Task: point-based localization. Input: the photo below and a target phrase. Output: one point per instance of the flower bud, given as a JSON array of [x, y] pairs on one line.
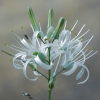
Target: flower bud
[[58, 28], [42, 57], [50, 18], [32, 19]]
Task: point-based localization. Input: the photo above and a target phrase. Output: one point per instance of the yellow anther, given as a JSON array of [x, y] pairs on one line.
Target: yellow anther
[[82, 37], [22, 27], [10, 60], [93, 49], [5, 44], [75, 34]]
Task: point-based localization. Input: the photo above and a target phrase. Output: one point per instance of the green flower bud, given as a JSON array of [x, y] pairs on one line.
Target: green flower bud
[[42, 57], [32, 19], [50, 31], [58, 28], [50, 17]]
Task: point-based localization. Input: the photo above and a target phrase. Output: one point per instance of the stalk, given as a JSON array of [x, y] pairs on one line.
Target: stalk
[[49, 75]]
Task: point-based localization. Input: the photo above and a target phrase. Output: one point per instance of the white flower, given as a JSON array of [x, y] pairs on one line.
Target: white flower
[[30, 52], [73, 53], [57, 43]]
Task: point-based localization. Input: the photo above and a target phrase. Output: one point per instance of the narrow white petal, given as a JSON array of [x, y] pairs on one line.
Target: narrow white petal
[[71, 71], [26, 44], [48, 45], [24, 70], [56, 54], [15, 59], [58, 63], [87, 74], [80, 74]]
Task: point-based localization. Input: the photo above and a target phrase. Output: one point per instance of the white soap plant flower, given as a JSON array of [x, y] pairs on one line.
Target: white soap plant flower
[[57, 44]]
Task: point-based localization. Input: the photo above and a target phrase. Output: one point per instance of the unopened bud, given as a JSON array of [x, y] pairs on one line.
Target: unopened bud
[[58, 28], [32, 19], [50, 18]]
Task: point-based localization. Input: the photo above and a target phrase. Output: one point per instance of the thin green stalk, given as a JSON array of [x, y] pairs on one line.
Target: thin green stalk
[[42, 74], [49, 94], [49, 71], [49, 75], [58, 72]]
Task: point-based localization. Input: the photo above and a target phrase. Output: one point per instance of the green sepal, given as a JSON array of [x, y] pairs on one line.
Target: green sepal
[[58, 28], [50, 18], [32, 19], [42, 57]]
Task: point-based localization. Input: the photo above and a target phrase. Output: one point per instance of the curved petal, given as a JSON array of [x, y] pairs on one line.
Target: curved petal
[[49, 45], [75, 46], [79, 75], [16, 59], [71, 71], [24, 70], [65, 59], [64, 34], [56, 54], [83, 73], [27, 45], [41, 64]]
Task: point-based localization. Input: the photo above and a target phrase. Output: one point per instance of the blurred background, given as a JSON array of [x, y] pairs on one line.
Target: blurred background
[[13, 15]]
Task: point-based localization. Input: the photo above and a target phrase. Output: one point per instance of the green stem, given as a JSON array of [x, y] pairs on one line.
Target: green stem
[[49, 75], [49, 71], [49, 94], [42, 74]]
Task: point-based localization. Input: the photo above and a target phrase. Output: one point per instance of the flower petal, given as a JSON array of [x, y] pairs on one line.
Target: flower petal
[[71, 71], [24, 70], [42, 64], [79, 75], [16, 59], [83, 73]]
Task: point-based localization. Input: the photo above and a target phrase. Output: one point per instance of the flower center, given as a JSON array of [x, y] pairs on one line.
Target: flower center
[[35, 53]]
